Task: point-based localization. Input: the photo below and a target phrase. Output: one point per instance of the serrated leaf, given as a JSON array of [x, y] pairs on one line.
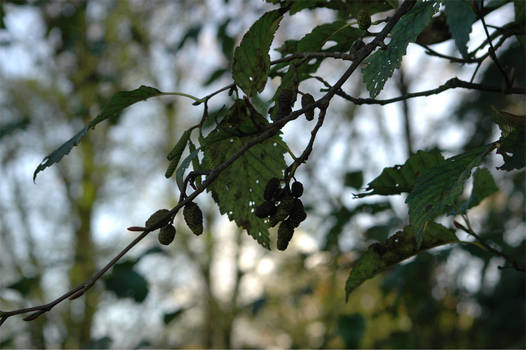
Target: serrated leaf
[[117, 103], [439, 187], [400, 246], [460, 17], [175, 154], [382, 63], [240, 187], [125, 282], [402, 178], [251, 58]]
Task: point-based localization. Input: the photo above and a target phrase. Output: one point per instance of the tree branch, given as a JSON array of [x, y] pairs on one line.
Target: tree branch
[[270, 131], [452, 83]]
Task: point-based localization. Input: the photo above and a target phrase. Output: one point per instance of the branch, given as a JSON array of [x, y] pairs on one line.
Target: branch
[[270, 131], [470, 231], [452, 83], [340, 55]]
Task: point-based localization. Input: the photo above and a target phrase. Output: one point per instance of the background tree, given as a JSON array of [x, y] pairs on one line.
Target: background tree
[[98, 49]]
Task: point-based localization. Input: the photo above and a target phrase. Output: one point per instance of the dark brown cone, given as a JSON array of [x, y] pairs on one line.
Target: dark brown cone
[[271, 189], [265, 209], [285, 232], [296, 189], [307, 100]]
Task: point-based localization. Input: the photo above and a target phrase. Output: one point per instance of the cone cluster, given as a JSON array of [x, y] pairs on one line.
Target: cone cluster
[[282, 205]]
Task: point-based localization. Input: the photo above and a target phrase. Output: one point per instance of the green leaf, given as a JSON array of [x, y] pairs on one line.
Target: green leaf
[[125, 282], [240, 187], [175, 154], [402, 178], [179, 174], [339, 32], [381, 64], [460, 17], [440, 186], [117, 103], [251, 58], [400, 246], [483, 186]]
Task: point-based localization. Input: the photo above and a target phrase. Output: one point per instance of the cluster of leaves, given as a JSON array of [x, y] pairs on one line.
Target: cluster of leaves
[[244, 150]]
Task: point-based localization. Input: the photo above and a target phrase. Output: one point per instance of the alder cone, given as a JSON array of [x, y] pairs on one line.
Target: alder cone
[[285, 232], [271, 189], [156, 219], [193, 218], [296, 189], [265, 209], [166, 234], [285, 100], [307, 100]]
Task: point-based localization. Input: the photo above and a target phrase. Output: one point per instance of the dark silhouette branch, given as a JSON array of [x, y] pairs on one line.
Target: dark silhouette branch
[[452, 83]]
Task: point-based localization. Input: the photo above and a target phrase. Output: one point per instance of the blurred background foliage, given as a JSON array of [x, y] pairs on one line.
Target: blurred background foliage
[[60, 62]]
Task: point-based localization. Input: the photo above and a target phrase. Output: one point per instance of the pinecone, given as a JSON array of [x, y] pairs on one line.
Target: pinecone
[[193, 218], [166, 235]]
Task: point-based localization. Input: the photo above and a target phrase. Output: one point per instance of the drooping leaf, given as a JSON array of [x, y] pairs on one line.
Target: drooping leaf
[[117, 103], [125, 282], [175, 154], [346, 7], [401, 178], [400, 246], [251, 58], [460, 18], [381, 64], [440, 186], [240, 187]]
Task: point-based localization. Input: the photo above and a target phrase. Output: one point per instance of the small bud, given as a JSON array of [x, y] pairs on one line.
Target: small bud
[[193, 218], [166, 234]]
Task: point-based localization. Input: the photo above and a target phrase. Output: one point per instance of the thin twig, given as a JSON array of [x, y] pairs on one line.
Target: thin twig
[[492, 52], [321, 54], [469, 230], [450, 84], [270, 131]]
